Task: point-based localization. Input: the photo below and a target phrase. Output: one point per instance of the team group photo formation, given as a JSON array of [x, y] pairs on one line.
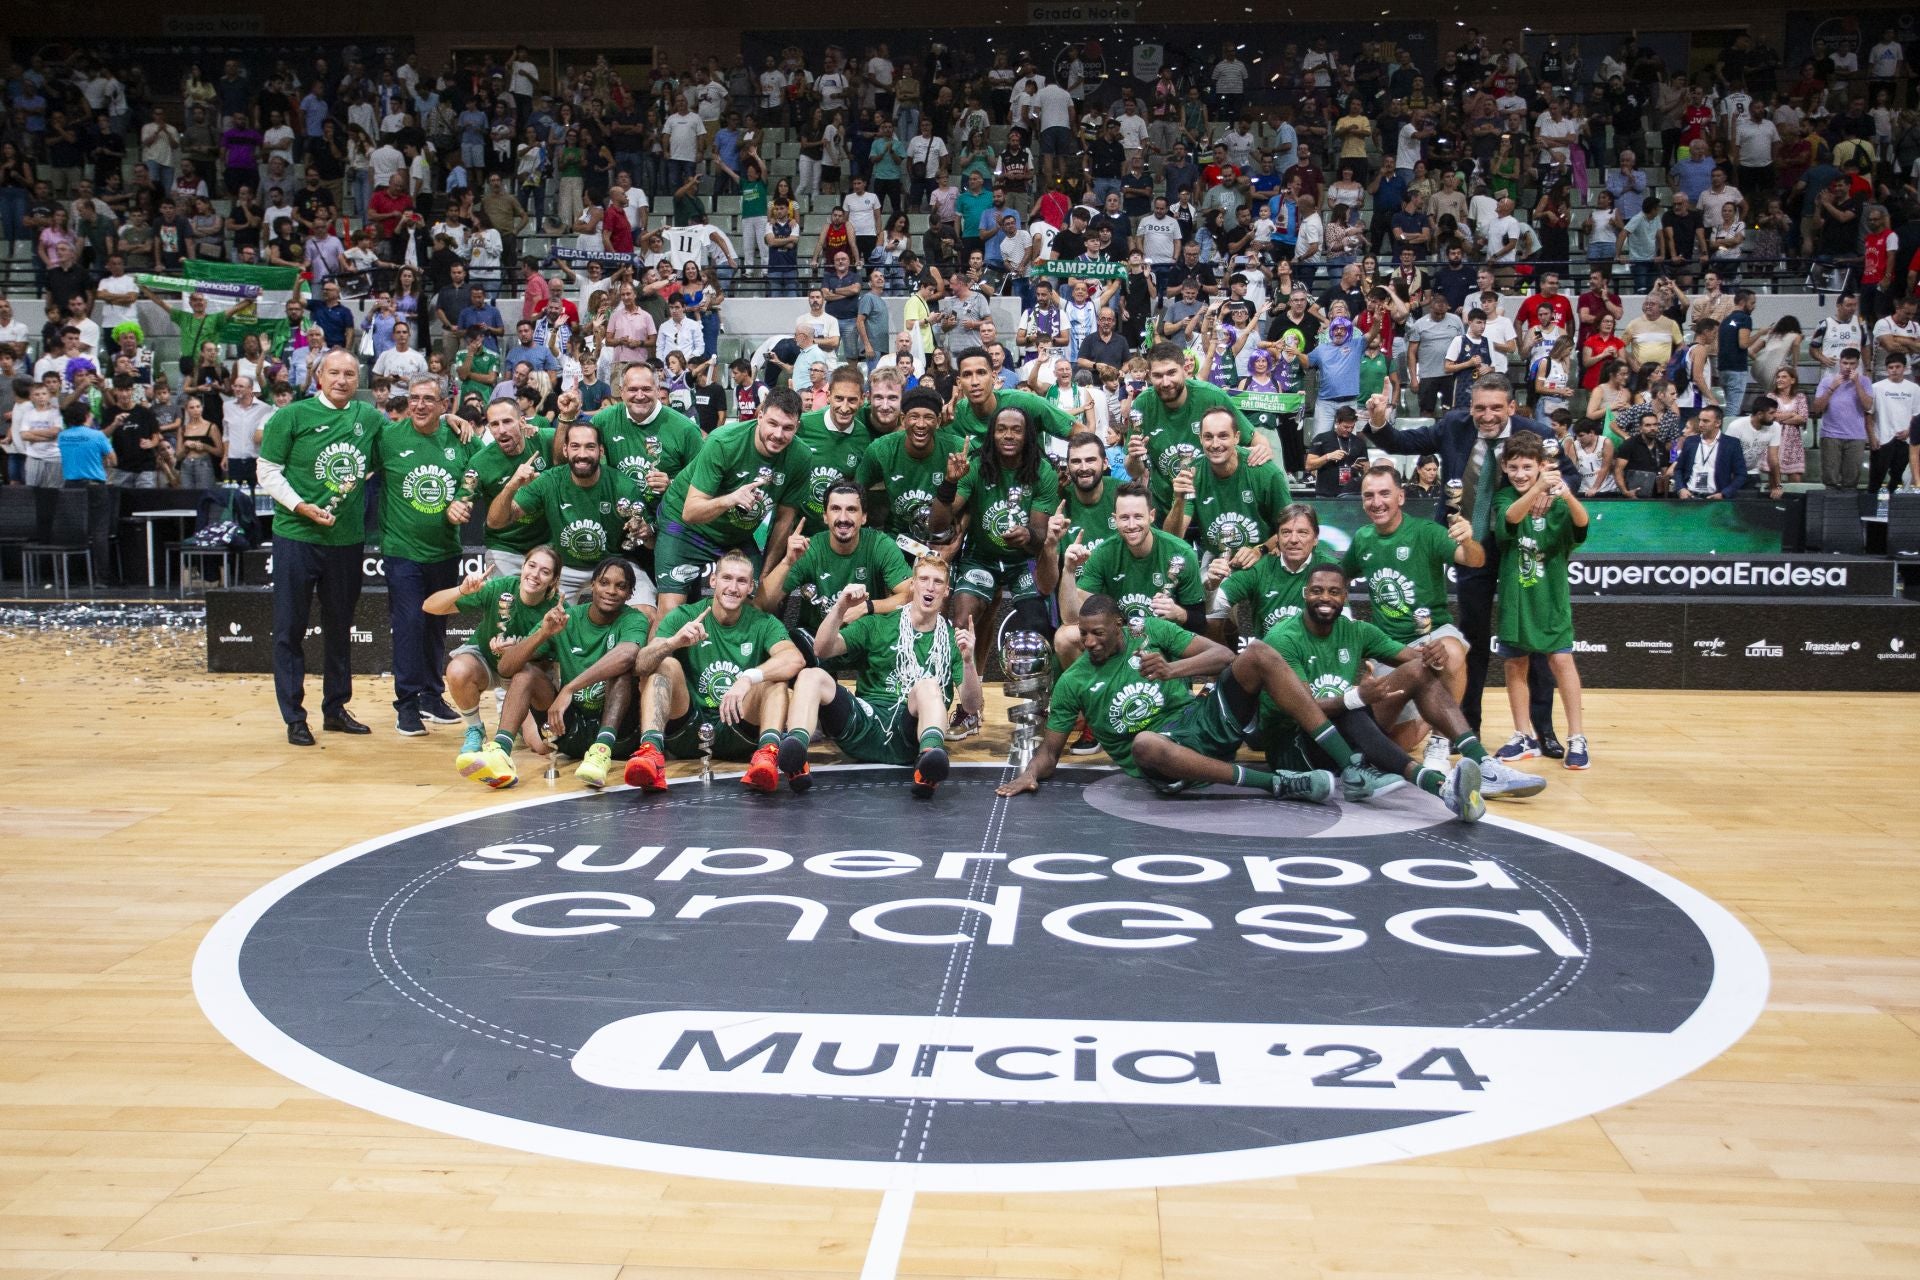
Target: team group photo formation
[[1265, 615]]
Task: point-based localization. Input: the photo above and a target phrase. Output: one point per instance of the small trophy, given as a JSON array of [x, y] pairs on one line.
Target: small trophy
[[1423, 621], [913, 548], [1551, 446], [1456, 492], [469, 485], [1174, 566], [1137, 625], [706, 752], [634, 527], [338, 496]]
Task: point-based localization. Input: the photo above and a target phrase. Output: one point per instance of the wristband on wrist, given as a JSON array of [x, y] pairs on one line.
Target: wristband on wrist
[[754, 675], [946, 491], [1352, 700]]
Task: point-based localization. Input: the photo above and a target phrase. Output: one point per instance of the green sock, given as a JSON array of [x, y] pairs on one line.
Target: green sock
[[802, 736], [656, 739], [1429, 780], [504, 741], [769, 738], [472, 716], [605, 737], [1258, 779], [931, 738], [1336, 746], [1469, 746]]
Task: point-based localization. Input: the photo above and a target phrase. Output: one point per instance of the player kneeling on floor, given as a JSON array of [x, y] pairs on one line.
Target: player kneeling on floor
[[587, 691], [1130, 683], [907, 661], [509, 608], [1329, 652], [715, 679]]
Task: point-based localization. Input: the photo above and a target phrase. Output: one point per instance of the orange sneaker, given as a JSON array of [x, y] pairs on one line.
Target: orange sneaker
[[647, 769], [763, 770]]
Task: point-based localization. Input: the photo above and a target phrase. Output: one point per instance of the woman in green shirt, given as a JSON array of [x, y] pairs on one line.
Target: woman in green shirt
[[507, 611]]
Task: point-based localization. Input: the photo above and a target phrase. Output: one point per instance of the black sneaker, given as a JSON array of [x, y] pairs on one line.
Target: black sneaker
[[1551, 748], [406, 723], [1084, 744], [436, 711]]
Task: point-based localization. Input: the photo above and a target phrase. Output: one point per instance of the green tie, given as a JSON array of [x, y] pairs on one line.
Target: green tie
[[1483, 492]]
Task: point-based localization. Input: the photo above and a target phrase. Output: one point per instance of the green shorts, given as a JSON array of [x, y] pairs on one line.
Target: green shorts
[[870, 732], [1214, 726], [1286, 746], [729, 743], [985, 579], [583, 726]]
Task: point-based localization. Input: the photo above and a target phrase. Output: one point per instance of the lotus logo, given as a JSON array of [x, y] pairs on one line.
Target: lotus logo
[[1762, 649]]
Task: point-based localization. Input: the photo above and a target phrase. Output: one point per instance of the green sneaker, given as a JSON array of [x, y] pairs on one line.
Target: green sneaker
[[1362, 783], [1314, 786], [593, 768]]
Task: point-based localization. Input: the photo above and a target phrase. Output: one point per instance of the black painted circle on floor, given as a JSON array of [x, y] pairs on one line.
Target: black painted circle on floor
[[1089, 987]]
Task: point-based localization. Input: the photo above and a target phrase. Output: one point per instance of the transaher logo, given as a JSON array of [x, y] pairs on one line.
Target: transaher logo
[[1089, 987]]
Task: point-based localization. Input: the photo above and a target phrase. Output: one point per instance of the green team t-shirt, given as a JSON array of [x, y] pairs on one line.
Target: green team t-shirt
[[1536, 615], [753, 198], [907, 482], [1240, 510], [584, 522], [1117, 701], [667, 441], [420, 477], [1173, 435], [1001, 506], [836, 457], [875, 563], [1328, 666], [495, 467], [873, 640], [583, 642], [1405, 570], [522, 619], [1092, 522], [325, 453], [1172, 566], [969, 424], [1276, 592], [728, 460], [717, 661], [484, 361]]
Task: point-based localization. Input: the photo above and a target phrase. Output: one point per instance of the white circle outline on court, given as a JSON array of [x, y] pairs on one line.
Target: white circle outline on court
[[1730, 1006]]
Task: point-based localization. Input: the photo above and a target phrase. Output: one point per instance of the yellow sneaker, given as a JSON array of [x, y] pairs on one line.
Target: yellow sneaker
[[593, 769], [490, 765]]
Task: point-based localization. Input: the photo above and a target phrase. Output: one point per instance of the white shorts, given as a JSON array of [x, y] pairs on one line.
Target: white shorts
[[473, 650], [1410, 712]]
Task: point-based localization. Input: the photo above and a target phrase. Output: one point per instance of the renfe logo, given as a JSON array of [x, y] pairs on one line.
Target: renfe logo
[[1162, 991]]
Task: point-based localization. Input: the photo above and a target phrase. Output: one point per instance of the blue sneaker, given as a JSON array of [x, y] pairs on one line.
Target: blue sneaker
[[1519, 747], [1577, 753], [475, 742]]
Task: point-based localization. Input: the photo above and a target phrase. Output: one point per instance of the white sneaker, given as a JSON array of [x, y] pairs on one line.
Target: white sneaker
[[1439, 754], [1503, 782]]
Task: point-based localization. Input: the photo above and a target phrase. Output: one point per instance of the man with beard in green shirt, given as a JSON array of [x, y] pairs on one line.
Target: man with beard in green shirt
[[819, 568], [585, 504], [1087, 498], [981, 400], [1226, 504], [644, 439], [1165, 433], [745, 473], [516, 443], [907, 664], [509, 608], [837, 437], [901, 470], [422, 462], [1148, 571], [1130, 685]]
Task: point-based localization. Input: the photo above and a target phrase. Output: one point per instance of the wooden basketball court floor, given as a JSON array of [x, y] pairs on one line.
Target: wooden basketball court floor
[[142, 798]]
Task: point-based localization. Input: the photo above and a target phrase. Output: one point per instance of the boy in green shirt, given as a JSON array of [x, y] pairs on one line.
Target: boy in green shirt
[[725, 688], [1539, 524], [589, 702], [907, 663], [508, 609]]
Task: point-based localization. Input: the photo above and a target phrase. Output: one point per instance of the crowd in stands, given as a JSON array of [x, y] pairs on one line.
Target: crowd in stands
[[1349, 226]]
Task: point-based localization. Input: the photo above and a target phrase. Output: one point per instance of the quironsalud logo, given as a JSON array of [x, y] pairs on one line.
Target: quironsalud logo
[[747, 995]]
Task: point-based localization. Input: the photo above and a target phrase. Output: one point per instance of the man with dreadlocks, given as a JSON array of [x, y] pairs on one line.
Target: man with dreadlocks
[[908, 661]]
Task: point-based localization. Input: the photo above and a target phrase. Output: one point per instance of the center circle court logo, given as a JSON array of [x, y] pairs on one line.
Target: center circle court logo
[[1085, 988]]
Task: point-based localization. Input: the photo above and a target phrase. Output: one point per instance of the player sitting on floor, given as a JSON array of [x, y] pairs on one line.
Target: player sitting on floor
[[907, 663], [509, 609]]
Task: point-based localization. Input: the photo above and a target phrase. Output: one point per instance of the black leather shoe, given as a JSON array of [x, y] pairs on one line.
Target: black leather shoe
[[1551, 747], [343, 722], [299, 735]]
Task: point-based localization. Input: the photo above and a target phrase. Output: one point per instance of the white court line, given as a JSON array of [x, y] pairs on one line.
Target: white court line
[[889, 1236]]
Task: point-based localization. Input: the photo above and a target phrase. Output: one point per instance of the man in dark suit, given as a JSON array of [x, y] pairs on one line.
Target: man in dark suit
[[1710, 467], [1468, 444]]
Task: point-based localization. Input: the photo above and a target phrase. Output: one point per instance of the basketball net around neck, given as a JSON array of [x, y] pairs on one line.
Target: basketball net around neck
[[907, 668]]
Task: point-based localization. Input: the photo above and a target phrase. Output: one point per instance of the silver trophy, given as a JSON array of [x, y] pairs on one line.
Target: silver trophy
[[1026, 661], [338, 496], [706, 752], [1550, 445]]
